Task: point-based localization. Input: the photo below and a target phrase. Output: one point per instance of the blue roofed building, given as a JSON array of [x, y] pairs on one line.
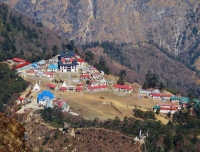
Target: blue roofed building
[[35, 66], [45, 98], [52, 67]]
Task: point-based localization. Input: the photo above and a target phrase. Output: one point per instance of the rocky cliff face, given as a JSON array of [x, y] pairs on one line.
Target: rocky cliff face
[[164, 22]]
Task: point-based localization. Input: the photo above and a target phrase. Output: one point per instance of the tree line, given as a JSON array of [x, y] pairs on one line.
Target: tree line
[[175, 136]]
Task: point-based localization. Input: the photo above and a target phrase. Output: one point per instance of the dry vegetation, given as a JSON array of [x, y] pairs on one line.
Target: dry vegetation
[[43, 137], [11, 135]]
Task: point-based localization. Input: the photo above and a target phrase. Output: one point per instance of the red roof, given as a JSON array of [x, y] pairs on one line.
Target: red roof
[[85, 76], [21, 65], [51, 85], [97, 87], [80, 85], [49, 73], [162, 108], [60, 103], [18, 60], [96, 74], [167, 104], [160, 95], [78, 88], [122, 87], [20, 98], [80, 60], [63, 88], [155, 94]]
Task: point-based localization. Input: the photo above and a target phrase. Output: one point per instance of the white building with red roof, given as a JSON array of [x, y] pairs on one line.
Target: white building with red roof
[[124, 88], [97, 88], [94, 83], [160, 95], [21, 100], [167, 107], [31, 72], [85, 76], [48, 74], [80, 62], [96, 75]]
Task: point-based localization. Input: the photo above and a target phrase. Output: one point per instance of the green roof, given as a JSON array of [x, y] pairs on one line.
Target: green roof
[[181, 99], [156, 107]]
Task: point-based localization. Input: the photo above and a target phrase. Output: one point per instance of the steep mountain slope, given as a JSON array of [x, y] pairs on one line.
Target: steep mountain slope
[[22, 37], [166, 22], [138, 59]]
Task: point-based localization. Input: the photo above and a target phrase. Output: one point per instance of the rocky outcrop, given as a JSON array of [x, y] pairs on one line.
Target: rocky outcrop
[[164, 22]]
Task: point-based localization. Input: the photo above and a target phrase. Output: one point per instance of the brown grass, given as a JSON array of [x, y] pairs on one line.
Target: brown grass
[[89, 105]]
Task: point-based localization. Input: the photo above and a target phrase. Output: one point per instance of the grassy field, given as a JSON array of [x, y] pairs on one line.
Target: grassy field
[[103, 105]]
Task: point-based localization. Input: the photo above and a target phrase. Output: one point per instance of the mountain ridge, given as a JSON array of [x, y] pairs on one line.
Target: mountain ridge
[[164, 22]]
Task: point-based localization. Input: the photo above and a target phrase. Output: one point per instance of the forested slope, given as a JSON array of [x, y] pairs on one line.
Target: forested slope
[[23, 37], [11, 86], [143, 57]]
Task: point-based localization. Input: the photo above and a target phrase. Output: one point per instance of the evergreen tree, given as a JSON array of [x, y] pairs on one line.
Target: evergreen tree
[[168, 141]]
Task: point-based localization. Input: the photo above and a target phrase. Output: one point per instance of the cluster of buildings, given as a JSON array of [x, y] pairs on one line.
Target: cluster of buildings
[[90, 79], [175, 102], [67, 61]]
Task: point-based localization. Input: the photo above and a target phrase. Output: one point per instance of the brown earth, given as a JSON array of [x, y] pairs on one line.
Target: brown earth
[[44, 137], [11, 135]]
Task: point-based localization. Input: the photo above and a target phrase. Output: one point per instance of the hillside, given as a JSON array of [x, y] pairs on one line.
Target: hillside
[[138, 59], [171, 24], [43, 137], [169, 28], [23, 37]]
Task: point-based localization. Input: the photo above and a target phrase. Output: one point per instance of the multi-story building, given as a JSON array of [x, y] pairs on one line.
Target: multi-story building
[[68, 61]]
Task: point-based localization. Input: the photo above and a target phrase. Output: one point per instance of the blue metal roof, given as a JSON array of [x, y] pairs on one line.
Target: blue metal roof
[[45, 93], [52, 66], [34, 65]]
